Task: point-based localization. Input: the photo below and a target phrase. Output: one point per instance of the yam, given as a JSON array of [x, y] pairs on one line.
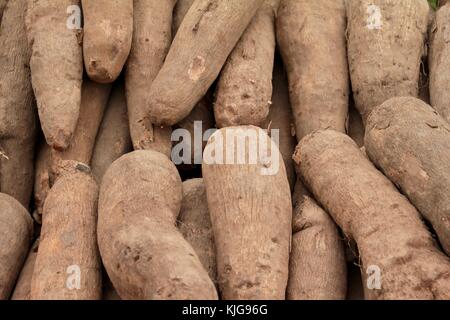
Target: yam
[[42, 176], [113, 138], [142, 191], [317, 267], [251, 214], [179, 12], [439, 60], [151, 41], [108, 30], [245, 84], [399, 258], [56, 67], [3, 4], [195, 224], [386, 41], [22, 290], [68, 264], [411, 144], [206, 37], [16, 228], [308, 32]]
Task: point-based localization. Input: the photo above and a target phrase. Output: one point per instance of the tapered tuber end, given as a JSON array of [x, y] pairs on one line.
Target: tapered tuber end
[[164, 114], [60, 140]]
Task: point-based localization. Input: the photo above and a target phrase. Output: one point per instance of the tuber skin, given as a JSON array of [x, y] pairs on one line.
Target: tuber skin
[[108, 30], [410, 142], [388, 230], [179, 12], [194, 223], [3, 4], [308, 32], [245, 84], [42, 176], [317, 267], [113, 137], [385, 56], [17, 109], [251, 216], [142, 191], [202, 44], [439, 60], [16, 228], [152, 37], [56, 68], [22, 291], [68, 244]]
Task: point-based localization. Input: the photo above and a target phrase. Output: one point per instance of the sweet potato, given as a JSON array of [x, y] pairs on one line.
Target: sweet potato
[[439, 60], [142, 191], [411, 144], [194, 223], [108, 29], [251, 215], [308, 32], [395, 246], [17, 110], [206, 36], [94, 98], [245, 84], [56, 68], [42, 176], [113, 137], [151, 41], [68, 265], [317, 267], [280, 118], [385, 47], [16, 228], [22, 291]]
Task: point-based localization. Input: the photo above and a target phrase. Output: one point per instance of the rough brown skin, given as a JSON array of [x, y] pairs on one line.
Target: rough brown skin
[[194, 223], [206, 36], [317, 266], [179, 12], [16, 228], [2, 8], [385, 63], [113, 137], [17, 110], [251, 215], [108, 29], [142, 191], [42, 176], [410, 142], [307, 32], [439, 60], [152, 37], [280, 117], [369, 209], [94, 99], [68, 238], [355, 126], [245, 84], [22, 291], [56, 68]]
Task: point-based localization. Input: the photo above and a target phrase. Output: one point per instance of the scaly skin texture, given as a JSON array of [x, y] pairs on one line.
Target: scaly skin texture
[[308, 33], [17, 110], [68, 244], [16, 228], [411, 144], [151, 41], [206, 37], [142, 191], [385, 47], [251, 215], [317, 266], [56, 68], [22, 291], [113, 138], [245, 84], [194, 223], [439, 61], [388, 230], [108, 29], [94, 99]]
